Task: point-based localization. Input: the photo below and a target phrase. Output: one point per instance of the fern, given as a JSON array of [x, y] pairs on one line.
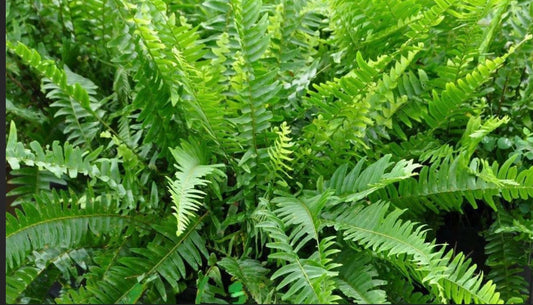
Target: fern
[[251, 273], [61, 161], [386, 233], [357, 279], [359, 183], [189, 175], [48, 69], [29, 231], [22, 278], [309, 278], [207, 292], [444, 185], [280, 154], [30, 180], [443, 104], [248, 151], [504, 258], [81, 125]]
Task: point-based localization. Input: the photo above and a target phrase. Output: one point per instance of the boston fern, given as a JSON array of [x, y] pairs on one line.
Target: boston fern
[[248, 151]]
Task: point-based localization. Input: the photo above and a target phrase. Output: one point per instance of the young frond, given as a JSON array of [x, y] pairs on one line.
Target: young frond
[[280, 154], [190, 174]]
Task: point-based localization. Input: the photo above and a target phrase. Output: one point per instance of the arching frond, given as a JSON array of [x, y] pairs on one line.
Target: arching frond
[[163, 261], [357, 279], [443, 105], [444, 185], [75, 102], [449, 277], [62, 161], [70, 219], [19, 280], [359, 182], [81, 125], [309, 280]]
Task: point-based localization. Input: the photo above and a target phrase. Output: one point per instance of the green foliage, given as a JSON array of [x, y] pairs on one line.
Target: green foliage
[[246, 151], [189, 175]]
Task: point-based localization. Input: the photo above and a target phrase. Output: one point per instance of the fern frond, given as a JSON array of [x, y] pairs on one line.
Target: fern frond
[[310, 280], [443, 105], [422, 147], [366, 107], [138, 49], [505, 256], [207, 292], [163, 258], [180, 69], [81, 125], [256, 86], [357, 279], [29, 181], [382, 231], [251, 273], [48, 222], [48, 69], [31, 115], [444, 185], [191, 168], [359, 183], [303, 213], [279, 155], [346, 90], [62, 161], [368, 24], [456, 280], [21, 278], [475, 131]]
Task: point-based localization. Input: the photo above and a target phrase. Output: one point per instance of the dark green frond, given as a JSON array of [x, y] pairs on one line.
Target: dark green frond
[[251, 273], [163, 261], [357, 279], [442, 186], [57, 220]]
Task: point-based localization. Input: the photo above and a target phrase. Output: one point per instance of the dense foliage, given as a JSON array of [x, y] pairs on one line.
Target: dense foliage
[[231, 151]]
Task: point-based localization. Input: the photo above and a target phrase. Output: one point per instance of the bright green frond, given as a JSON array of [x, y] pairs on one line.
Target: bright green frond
[[190, 174]]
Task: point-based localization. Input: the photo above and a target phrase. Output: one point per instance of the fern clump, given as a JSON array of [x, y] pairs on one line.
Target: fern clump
[[269, 151]]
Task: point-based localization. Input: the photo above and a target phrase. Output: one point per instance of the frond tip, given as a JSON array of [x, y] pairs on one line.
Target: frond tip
[[190, 160]]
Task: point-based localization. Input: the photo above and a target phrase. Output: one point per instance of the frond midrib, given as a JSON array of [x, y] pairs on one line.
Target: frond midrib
[[473, 293], [348, 225], [459, 190], [72, 217], [183, 237]]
